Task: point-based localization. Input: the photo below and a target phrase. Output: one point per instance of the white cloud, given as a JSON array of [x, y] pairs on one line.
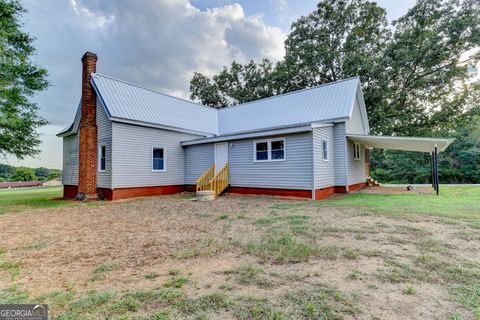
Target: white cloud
[[155, 43], [160, 43], [92, 20]]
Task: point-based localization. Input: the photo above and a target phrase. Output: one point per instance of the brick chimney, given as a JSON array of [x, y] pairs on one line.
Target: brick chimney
[[87, 167]]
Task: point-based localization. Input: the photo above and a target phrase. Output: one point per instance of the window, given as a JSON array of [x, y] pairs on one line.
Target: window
[[158, 159], [325, 150], [269, 150], [261, 151], [356, 151], [102, 157], [278, 149]]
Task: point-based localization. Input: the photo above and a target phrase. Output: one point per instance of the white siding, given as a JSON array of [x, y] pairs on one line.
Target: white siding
[[355, 124], [339, 149], [324, 170], [104, 136], [132, 159], [356, 168], [198, 159], [70, 160], [294, 173]]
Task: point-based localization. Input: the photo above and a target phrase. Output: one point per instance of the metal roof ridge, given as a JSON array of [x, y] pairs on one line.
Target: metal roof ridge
[[288, 93], [152, 90]]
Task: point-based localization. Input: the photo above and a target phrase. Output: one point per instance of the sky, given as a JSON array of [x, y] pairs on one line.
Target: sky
[[158, 44]]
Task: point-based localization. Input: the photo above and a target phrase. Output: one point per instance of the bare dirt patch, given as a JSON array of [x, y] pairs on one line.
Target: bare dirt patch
[[276, 248]]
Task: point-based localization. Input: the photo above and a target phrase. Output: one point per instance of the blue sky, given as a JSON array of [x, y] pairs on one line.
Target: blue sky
[[154, 43]]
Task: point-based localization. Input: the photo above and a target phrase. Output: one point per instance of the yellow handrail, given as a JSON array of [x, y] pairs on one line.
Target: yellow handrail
[[204, 179], [219, 182], [211, 181]]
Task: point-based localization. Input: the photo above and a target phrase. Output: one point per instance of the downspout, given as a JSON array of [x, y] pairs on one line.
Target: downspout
[[346, 156], [313, 165]]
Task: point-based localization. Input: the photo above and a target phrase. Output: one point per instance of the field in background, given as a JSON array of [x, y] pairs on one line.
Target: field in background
[[22, 199], [362, 256]]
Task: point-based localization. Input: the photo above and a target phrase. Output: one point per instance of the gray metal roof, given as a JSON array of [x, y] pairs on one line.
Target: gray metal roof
[[126, 102], [130, 102], [325, 102]]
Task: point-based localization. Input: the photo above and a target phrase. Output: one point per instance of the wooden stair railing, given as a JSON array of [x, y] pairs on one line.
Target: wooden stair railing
[[217, 182], [220, 181], [204, 179]]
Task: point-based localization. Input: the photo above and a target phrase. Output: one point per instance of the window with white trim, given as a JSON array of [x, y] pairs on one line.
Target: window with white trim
[[325, 150], [356, 151], [269, 150], [158, 159], [277, 148], [102, 157]]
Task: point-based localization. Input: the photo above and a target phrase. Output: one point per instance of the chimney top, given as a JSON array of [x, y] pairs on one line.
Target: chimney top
[[89, 55]]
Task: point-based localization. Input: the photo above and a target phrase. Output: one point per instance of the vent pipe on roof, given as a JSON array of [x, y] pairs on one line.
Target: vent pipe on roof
[[87, 162]]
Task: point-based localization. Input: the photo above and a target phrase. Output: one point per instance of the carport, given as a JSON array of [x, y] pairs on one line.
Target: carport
[[433, 146]]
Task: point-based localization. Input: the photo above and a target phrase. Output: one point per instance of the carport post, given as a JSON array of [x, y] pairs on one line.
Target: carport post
[[432, 169], [437, 180]]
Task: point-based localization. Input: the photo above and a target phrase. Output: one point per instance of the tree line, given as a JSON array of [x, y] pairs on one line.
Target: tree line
[[417, 76], [10, 173]]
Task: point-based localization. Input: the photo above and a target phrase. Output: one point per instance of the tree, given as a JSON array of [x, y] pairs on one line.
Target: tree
[[239, 84], [20, 78], [416, 78], [6, 171], [427, 64], [42, 172], [54, 174], [24, 174]]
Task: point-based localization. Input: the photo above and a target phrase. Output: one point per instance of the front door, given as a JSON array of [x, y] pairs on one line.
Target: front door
[[221, 155]]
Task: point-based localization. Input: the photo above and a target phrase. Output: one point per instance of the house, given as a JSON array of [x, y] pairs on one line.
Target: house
[[128, 141]]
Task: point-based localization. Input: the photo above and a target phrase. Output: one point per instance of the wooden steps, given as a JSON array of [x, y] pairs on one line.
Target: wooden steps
[[210, 181]]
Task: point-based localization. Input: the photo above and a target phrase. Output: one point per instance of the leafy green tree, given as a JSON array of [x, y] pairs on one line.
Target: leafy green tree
[[415, 78], [6, 171], [24, 174], [20, 78], [54, 174], [427, 64], [42, 172], [239, 84]]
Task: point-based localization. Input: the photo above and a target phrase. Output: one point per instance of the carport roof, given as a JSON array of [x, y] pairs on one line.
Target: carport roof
[[402, 143]]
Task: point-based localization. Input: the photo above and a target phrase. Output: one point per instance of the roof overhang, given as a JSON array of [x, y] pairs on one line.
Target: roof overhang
[[73, 128], [261, 133], [402, 143]]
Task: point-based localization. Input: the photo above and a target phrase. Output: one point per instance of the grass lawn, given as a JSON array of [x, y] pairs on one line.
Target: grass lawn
[[361, 256], [21, 199], [452, 203]]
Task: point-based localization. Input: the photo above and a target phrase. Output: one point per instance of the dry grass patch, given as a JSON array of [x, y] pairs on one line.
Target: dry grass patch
[[243, 258]]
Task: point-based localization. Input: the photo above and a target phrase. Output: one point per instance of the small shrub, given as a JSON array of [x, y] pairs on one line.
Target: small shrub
[[176, 282], [174, 272], [151, 276], [351, 254], [409, 290], [355, 275]]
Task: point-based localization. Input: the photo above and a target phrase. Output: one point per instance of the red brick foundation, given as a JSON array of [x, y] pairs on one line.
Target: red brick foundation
[[272, 192], [190, 187], [352, 187], [357, 186], [125, 193], [324, 193], [69, 192]]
